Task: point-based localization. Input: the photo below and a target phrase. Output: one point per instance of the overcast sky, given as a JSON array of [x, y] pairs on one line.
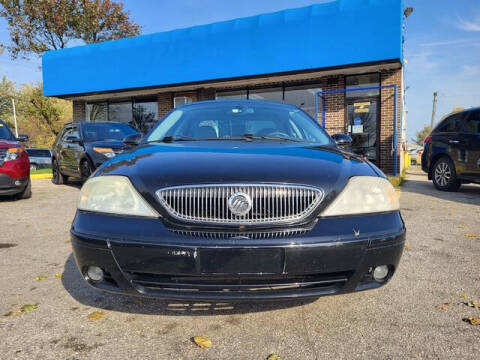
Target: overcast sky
[[442, 45]]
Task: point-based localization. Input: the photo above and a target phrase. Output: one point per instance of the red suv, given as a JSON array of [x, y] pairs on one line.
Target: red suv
[[14, 165]]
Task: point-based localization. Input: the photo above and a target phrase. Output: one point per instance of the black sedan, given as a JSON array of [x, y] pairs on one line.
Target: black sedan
[[83, 146], [237, 200]]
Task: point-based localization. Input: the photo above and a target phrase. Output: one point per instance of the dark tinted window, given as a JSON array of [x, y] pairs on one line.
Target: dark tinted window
[[451, 124], [106, 131], [38, 153], [5, 133], [472, 123], [73, 131]]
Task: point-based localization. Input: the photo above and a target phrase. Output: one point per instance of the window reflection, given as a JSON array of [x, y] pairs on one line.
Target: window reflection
[[140, 114], [273, 94], [303, 97], [145, 115], [96, 111]]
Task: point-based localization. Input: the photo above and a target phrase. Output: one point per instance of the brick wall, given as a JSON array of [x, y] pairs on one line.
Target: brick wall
[[165, 103], [79, 110], [334, 105], [389, 77]]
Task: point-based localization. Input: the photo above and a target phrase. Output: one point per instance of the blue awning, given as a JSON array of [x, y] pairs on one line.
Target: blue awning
[[336, 33]]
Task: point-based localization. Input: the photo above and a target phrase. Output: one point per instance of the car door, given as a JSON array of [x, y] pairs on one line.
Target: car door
[[60, 149], [471, 138], [447, 140], [73, 151]]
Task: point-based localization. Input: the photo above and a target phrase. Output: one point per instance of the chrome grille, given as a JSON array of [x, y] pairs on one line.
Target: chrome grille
[[270, 203]]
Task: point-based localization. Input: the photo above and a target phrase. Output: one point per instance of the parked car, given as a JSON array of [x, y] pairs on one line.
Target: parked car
[[39, 158], [237, 200], [14, 164], [83, 146], [451, 155]]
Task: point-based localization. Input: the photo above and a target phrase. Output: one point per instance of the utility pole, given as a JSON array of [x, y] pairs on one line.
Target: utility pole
[[15, 117], [434, 109]]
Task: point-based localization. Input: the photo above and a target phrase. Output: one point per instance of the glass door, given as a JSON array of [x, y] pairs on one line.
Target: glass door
[[362, 126]]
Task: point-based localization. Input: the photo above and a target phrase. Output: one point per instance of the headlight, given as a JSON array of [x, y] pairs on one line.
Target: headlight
[[113, 195], [107, 152], [13, 154], [363, 195]]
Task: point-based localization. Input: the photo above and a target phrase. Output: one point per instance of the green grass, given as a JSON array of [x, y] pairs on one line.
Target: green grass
[[41, 171]]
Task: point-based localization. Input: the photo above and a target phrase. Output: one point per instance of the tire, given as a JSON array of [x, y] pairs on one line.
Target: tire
[[58, 177], [33, 167], [86, 169], [444, 176], [27, 192]]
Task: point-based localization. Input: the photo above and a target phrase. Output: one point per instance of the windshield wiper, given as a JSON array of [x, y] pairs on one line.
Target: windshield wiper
[[270, 138], [170, 139]]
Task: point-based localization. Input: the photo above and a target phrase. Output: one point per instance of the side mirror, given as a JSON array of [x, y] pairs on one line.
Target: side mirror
[[133, 139], [342, 140], [22, 138], [73, 139]]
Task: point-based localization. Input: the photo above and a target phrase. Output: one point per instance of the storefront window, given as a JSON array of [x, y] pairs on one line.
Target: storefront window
[[237, 94], [96, 111], [360, 81], [273, 94], [120, 112], [145, 115], [303, 97]]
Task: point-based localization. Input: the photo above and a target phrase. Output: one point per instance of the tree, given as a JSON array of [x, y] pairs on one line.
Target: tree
[[7, 92], [38, 116], [422, 134], [36, 26]]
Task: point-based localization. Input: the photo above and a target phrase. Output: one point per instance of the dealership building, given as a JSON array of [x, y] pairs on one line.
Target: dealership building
[[340, 61]]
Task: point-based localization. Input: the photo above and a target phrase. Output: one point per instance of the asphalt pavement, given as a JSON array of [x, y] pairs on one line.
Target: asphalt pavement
[[48, 312]]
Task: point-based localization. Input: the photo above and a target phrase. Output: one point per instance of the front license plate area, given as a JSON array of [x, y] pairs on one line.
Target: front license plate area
[[242, 261]]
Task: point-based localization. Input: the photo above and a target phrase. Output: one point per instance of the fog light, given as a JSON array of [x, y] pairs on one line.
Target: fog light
[[18, 183], [380, 272], [95, 273]]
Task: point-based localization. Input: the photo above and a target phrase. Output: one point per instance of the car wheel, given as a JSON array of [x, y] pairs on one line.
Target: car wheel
[[27, 192], [444, 175], [33, 167], [58, 178], [86, 169]]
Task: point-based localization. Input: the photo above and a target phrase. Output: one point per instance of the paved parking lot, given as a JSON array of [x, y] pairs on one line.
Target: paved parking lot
[[401, 320]]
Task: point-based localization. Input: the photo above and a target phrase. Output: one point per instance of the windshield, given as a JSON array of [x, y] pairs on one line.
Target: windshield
[[5, 133], [243, 120], [105, 131]]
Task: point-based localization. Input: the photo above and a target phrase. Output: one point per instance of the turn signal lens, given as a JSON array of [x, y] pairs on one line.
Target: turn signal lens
[[364, 195], [108, 152]]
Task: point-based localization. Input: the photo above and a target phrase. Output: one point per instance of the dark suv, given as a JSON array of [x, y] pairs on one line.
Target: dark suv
[[83, 146], [451, 155]]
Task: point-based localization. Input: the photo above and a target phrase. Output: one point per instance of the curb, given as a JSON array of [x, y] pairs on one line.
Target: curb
[[40, 176]]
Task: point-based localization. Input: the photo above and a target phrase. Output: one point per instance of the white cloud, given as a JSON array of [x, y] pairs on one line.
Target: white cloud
[[469, 25]]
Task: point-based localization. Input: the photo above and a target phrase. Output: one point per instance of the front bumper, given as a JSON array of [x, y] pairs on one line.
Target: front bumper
[[12, 186], [142, 257]]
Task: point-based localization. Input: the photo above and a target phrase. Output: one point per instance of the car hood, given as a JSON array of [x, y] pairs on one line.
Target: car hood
[[152, 167], [5, 144]]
